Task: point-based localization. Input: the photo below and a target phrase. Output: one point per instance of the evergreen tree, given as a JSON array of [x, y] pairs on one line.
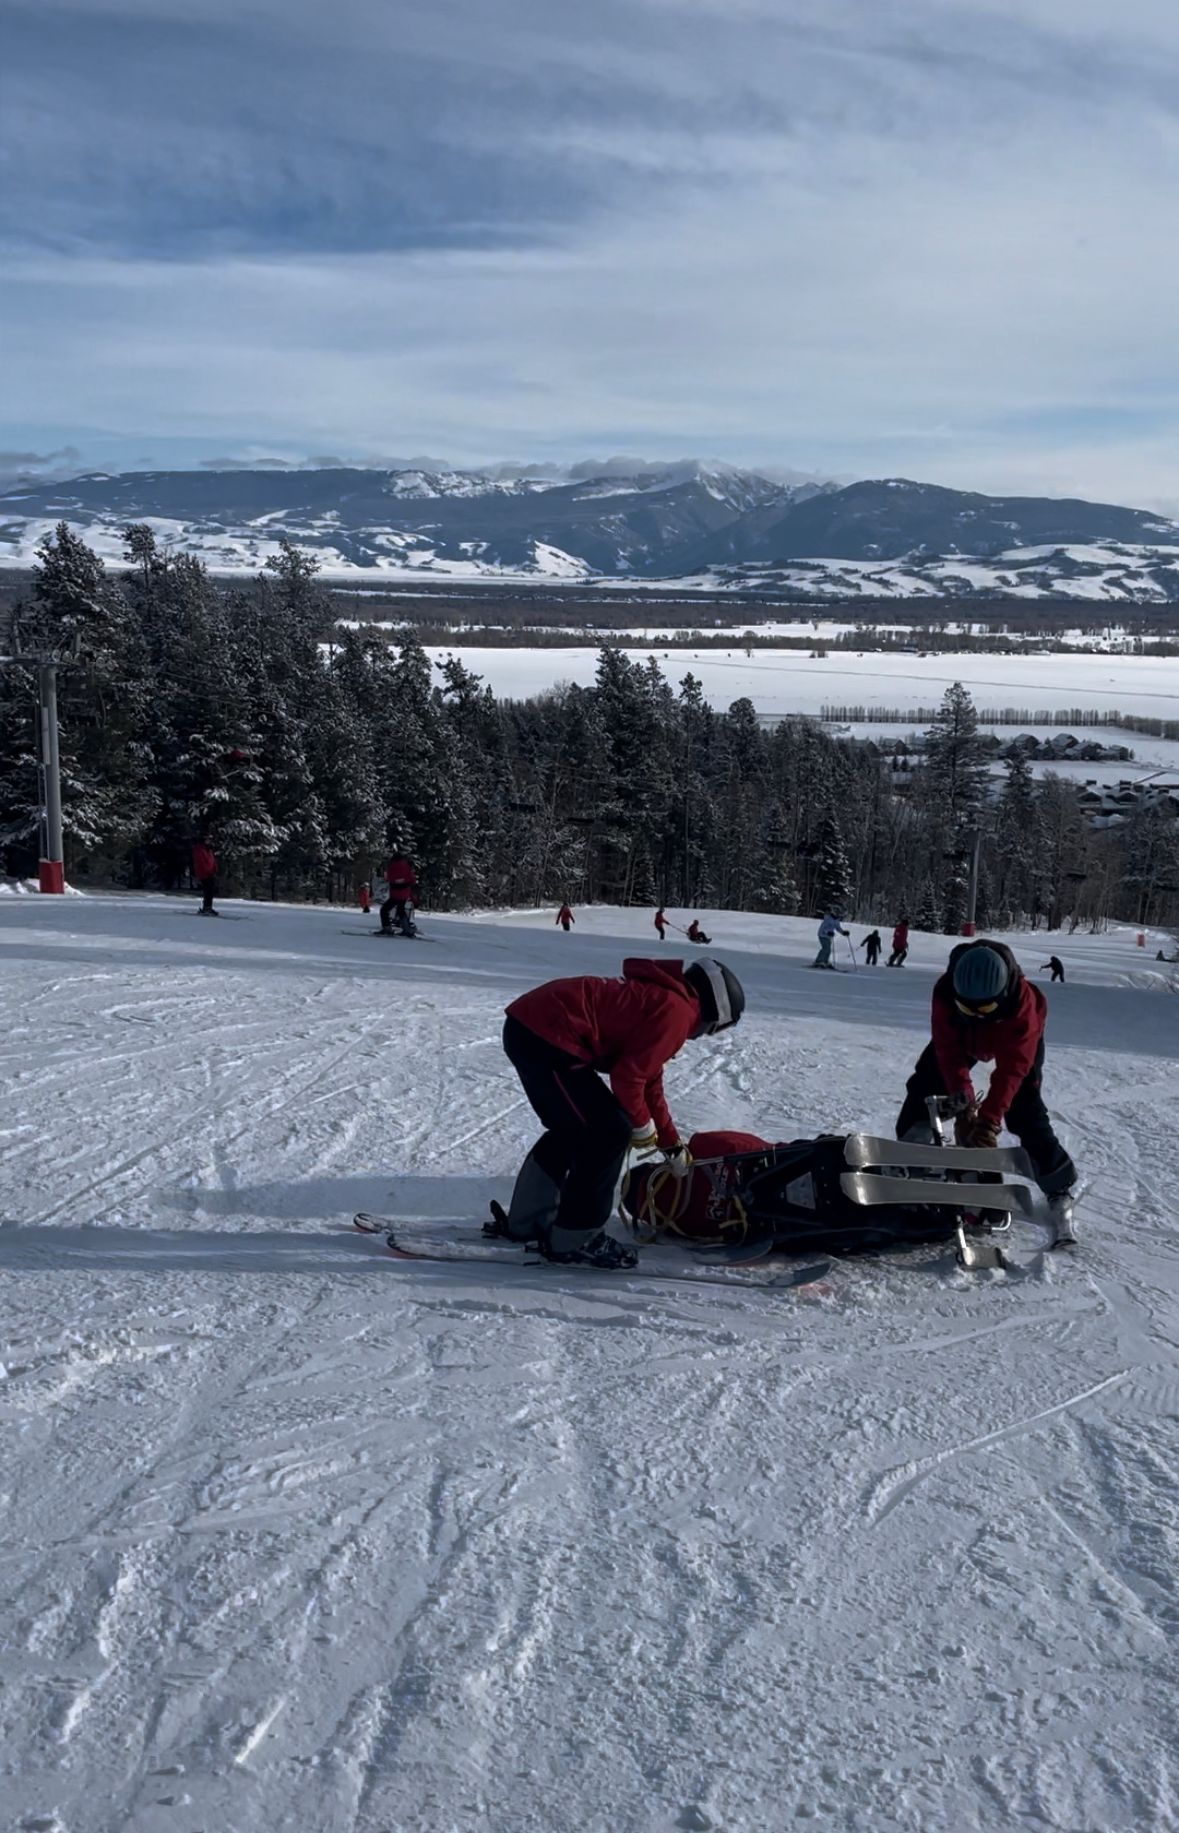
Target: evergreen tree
[[1018, 838], [929, 915], [832, 872]]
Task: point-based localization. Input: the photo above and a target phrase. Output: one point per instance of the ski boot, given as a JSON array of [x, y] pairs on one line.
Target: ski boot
[[1061, 1216], [600, 1251]]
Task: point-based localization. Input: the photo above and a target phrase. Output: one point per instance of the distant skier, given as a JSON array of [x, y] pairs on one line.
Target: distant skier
[[559, 1038], [873, 945], [900, 943], [829, 928], [565, 918], [1057, 966], [402, 883], [696, 934], [661, 923], [204, 870], [984, 1010], [366, 898]]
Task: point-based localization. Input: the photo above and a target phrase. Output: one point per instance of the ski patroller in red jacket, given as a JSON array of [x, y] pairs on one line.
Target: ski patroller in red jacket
[[204, 861], [629, 1029], [402, 879], [1010, 1040]]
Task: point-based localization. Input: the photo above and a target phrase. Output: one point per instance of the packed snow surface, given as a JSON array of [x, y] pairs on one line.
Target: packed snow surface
[[782, 681], [302, 1537]]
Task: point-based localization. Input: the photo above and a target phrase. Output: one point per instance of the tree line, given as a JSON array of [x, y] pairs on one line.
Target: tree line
[[309, 752]]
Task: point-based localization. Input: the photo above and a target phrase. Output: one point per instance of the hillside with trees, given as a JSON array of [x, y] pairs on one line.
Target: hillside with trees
[[310, 751]]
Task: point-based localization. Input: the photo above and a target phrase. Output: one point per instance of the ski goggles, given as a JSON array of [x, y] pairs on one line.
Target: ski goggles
[[983, 1009]]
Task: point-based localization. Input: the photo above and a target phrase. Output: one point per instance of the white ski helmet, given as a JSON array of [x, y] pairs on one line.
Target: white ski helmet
[[721, 995]]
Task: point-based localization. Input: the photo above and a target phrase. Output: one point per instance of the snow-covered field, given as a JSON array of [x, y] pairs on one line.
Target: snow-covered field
[[301, 1537], [789, 681]]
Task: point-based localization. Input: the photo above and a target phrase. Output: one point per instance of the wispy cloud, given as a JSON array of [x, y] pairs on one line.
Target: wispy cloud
[[935, 236]]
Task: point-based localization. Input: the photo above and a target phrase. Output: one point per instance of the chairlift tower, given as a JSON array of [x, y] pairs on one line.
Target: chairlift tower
[[51, 864]]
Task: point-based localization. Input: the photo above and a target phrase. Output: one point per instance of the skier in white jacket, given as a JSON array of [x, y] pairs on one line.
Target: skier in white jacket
[[829, 928]]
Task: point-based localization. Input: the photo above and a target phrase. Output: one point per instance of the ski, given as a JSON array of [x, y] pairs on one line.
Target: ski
[[1017, 1199], [400, 934], [433, 1242], [863, 1152]]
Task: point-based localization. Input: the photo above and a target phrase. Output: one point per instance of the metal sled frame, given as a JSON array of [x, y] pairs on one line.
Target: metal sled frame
[[977, 1250]]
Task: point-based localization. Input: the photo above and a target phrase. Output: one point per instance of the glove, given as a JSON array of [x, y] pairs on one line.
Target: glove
[[971, 1129], [679, 1159], [644, 1141]]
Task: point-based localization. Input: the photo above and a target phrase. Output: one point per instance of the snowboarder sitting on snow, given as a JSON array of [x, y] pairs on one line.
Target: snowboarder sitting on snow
[[984, 1010], [829, 928], [560, 1038], [1057, 966], [402, 882], [873, 944], [900, 943], [565, 918], [695, 933], [204, 870]]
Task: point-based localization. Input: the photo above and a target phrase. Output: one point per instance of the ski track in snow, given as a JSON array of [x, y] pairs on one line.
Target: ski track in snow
[[300, 1538]]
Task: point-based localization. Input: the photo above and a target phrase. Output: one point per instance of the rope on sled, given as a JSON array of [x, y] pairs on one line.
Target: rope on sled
[[665, 1197]]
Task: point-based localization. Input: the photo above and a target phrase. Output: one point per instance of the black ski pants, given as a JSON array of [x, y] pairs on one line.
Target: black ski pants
[[394, 908], [897, 958], [208, 892], [872, 957], [1027, 1118], [566, 1183]]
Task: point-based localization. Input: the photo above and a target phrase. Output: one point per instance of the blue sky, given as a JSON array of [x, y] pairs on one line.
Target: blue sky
[[854, 237]]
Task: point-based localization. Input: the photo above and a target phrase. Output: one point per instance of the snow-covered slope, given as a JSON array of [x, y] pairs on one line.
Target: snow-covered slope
[[682, 526], [302, 1538], [1102, 571]]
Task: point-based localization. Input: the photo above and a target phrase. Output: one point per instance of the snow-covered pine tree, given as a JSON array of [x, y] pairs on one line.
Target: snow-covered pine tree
[[775, 888], [1018, 838], [929, 915], [953, 792], [80, 617], [832, 878]]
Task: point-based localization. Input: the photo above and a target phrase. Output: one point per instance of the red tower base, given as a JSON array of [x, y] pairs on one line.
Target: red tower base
[[968, 929], [52, 875]]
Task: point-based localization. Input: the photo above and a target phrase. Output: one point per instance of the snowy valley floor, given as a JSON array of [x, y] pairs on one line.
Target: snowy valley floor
[[300, 1537]]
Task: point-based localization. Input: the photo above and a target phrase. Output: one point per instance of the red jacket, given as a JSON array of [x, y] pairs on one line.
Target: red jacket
[[1009, 1041], [204, 861], [900, 937], [402, 879], [628, 1028], [565, 915]]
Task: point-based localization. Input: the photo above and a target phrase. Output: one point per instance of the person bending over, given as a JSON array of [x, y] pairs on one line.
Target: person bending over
[[984, 1010], [561, 1038]]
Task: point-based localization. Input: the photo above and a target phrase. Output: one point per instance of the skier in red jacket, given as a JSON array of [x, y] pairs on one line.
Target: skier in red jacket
[[559, 1038], [566, 918], [204, 870], [402, 882], [661, 924], [985, 1011], [900, 944]]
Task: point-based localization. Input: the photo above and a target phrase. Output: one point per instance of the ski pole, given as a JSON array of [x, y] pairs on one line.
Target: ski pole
[[851, 951]]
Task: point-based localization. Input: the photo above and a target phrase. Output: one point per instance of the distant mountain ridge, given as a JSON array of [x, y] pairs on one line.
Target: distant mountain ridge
[[707, 525]]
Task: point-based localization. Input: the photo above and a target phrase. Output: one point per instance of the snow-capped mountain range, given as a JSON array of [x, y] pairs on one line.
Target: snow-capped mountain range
[[702, 526]]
